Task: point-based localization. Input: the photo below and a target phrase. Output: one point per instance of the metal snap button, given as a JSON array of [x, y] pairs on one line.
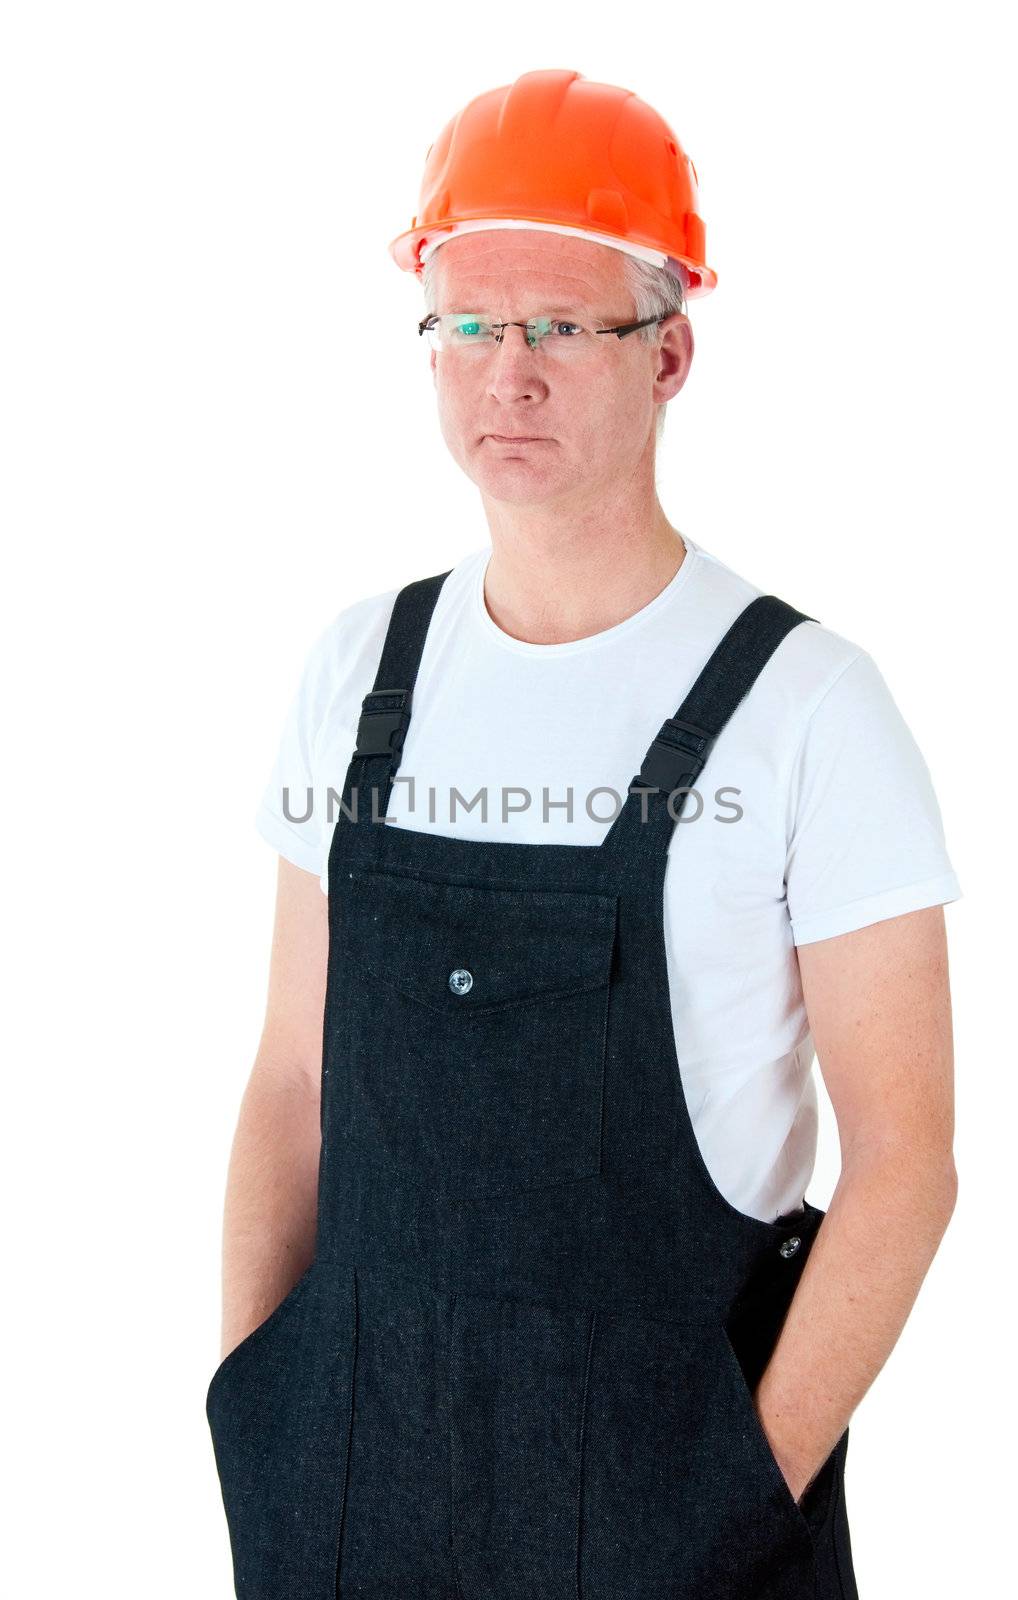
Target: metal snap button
[[460, 980], [790, 1246]]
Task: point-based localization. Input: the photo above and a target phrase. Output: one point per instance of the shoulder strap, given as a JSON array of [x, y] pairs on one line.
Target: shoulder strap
[[385, 709], [681, 747]]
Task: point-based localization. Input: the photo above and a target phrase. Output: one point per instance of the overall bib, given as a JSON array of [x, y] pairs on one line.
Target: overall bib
[[521, 1363]]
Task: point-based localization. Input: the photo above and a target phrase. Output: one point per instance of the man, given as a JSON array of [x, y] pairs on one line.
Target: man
[[522, 1293]]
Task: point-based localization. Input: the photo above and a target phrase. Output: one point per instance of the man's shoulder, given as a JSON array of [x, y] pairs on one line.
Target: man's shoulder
[[373, 611], [350, 644], [810, 658]]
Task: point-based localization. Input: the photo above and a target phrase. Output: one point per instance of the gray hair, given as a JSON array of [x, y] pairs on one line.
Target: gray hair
[[655, 292]]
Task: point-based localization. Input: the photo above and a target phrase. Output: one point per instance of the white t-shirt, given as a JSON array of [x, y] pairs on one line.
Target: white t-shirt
[[826, 818]]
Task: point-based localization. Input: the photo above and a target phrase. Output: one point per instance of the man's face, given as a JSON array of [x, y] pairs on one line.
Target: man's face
[[594, 419]]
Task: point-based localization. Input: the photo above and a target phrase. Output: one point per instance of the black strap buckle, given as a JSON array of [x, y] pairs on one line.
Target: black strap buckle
[[677, 756], [385, 717]]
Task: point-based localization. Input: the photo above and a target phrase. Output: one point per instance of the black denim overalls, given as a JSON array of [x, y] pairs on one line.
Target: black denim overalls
[[520, 1366]]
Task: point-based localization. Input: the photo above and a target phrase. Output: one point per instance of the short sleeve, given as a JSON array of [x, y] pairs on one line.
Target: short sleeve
[[290, 815], [865, 840]]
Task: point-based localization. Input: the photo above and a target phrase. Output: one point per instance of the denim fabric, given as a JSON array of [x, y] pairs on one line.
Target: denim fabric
[[521, 1365]]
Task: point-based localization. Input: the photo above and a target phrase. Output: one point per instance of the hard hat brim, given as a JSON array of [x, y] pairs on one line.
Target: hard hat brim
[[410, 248]]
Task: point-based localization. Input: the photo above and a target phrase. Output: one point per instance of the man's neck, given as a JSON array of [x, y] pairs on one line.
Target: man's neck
[[547, 590]]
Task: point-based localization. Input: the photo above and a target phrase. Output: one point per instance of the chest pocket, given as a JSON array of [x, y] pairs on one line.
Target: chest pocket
[[477, 1030]]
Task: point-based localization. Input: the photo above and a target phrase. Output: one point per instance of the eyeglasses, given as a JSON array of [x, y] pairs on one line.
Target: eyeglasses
[[554, 336]]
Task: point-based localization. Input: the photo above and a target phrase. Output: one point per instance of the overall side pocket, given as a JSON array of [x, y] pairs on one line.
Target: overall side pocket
[[677, 1497], [812, 1509], [279, 1412], [275, 1316]]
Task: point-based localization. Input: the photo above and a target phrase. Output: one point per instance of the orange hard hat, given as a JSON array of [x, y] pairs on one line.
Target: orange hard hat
[[554, 150]]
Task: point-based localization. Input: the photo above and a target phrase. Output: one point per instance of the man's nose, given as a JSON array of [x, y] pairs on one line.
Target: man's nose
[[514, 366]]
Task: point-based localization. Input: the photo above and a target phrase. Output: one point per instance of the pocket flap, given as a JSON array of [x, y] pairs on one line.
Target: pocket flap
[[505, 946]]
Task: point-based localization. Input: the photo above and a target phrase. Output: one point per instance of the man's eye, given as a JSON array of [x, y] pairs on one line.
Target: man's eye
[[575, 328]]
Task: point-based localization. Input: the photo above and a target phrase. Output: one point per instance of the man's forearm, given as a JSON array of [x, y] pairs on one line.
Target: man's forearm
[[271, 1196], [882, 1229]]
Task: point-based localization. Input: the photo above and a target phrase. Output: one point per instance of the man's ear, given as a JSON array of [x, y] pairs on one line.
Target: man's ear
[[675, 354]]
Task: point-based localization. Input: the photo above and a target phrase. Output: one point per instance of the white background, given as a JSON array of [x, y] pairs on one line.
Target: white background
[[218, 429]]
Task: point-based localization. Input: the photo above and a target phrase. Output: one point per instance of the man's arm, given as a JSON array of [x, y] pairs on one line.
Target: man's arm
[[272, 1185], [879, 1007]]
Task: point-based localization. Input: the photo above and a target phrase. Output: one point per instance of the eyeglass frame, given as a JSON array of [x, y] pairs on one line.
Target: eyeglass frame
[[621, 330]]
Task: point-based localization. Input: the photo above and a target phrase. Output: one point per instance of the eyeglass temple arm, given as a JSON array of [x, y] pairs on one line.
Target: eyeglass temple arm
[[630, 327]]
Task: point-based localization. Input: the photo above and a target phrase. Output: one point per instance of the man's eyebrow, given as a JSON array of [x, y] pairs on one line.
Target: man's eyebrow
[[566, 311], [554, 311]]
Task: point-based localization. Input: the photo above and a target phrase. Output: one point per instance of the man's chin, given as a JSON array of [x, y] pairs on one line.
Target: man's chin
[[517, 489], [509, 468]]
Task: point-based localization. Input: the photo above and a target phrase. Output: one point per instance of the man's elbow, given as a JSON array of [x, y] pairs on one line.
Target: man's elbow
[[934, 1182], [926, 1176], [949, 1182]]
